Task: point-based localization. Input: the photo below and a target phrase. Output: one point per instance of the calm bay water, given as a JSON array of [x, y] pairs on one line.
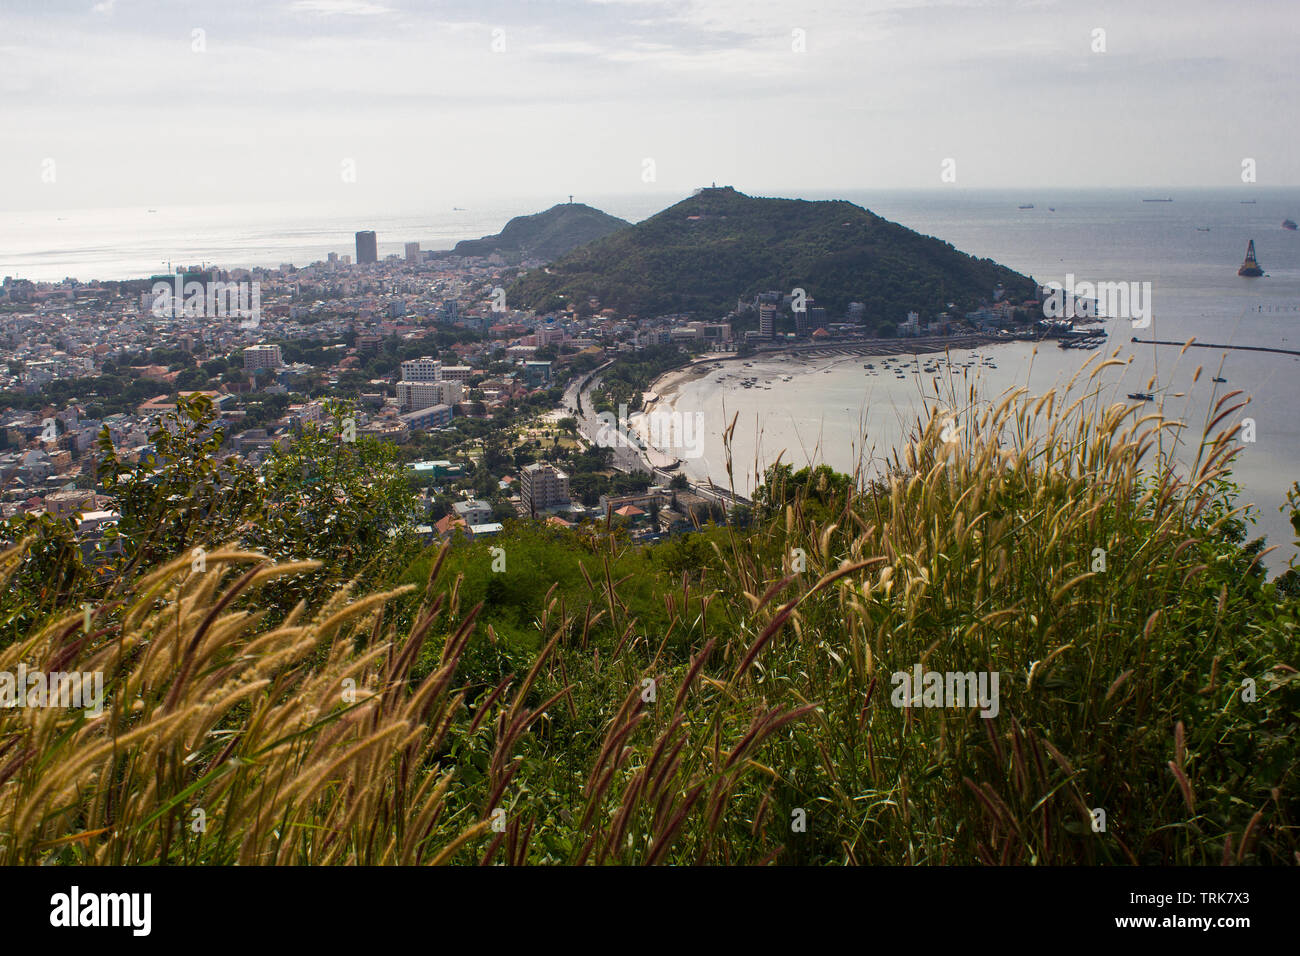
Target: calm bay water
[[827, 407], [833, 411]]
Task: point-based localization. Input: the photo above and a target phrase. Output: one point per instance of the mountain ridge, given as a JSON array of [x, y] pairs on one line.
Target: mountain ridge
[[703, 253], [545, 235]]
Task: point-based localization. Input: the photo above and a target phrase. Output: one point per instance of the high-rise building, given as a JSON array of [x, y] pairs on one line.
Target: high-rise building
[[412, 252], [543, 486], [767, 319], [262, 356], [367, 247], [424, 369]]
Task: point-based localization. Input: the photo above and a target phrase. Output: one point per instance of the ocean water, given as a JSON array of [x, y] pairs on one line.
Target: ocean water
[[833, 411], [132, 243], [1098, 236]]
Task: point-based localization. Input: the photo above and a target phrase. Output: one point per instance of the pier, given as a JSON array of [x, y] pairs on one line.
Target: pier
[[1210, 345]]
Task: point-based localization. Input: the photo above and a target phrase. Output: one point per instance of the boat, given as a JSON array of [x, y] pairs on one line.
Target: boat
[[1202, 228], [1250, 266], [1051, 209], [1157, 200], [1141, 396], [1247, 202], [1289, 224], [1218, 378], [1027, 206]]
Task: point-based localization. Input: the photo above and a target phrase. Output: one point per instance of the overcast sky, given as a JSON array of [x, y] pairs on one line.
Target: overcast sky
[[275, 98]]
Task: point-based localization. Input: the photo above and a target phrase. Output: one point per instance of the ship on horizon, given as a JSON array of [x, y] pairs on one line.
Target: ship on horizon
[[1157, 200], [1289, 224], [1250, 267]]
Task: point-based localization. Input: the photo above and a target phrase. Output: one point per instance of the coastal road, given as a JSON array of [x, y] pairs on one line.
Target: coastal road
[[626, 458]]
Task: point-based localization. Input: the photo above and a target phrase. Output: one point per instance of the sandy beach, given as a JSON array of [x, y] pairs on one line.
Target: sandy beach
[[806, 410]]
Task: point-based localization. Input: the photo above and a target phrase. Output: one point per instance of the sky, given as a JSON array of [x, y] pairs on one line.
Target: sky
[[352, 103]]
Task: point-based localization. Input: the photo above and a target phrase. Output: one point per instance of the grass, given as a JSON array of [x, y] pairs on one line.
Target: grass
[[723, 701]]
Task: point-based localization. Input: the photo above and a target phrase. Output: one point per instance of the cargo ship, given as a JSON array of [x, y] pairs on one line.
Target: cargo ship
[[1250, 267], [1289, 224]]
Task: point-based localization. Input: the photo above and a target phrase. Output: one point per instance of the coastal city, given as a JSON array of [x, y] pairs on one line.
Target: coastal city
[[484, 402], [648, 433]]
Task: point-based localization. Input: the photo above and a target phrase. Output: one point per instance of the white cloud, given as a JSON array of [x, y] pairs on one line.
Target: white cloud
[[329, 8]]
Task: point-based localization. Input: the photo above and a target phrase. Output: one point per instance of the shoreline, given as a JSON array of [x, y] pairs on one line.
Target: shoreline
[[664, 388], [798, 360]]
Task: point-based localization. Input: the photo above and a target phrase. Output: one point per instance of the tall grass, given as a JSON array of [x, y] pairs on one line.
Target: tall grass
[[763, 703]]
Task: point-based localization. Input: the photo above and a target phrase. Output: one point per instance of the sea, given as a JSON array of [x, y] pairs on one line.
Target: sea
[[831, 409]]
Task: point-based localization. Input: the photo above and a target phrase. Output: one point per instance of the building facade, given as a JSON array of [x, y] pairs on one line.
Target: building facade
[[367, 247], [413, 396], [262, 356], [543, 486]]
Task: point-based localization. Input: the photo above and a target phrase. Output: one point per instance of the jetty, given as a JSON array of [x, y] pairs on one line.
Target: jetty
[[1211, 345]]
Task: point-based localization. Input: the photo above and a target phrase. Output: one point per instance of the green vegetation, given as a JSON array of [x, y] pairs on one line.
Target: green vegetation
[[544, 235], [553, 696], [628, 377], [703, 253]]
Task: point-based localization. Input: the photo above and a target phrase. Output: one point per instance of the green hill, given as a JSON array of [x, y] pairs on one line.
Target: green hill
[[703, 253], [544, 235]]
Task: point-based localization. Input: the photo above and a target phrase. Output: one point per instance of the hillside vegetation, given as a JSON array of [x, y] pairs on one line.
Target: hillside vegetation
[[556, 696], [703, 253], [544, 235]]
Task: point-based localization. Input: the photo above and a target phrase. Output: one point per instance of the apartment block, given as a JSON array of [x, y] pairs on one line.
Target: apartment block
[[543, 486], [262, 356], [413, 396]]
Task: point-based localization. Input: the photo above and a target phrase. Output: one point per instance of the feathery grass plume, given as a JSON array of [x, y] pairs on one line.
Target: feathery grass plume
[[1088, 554]]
